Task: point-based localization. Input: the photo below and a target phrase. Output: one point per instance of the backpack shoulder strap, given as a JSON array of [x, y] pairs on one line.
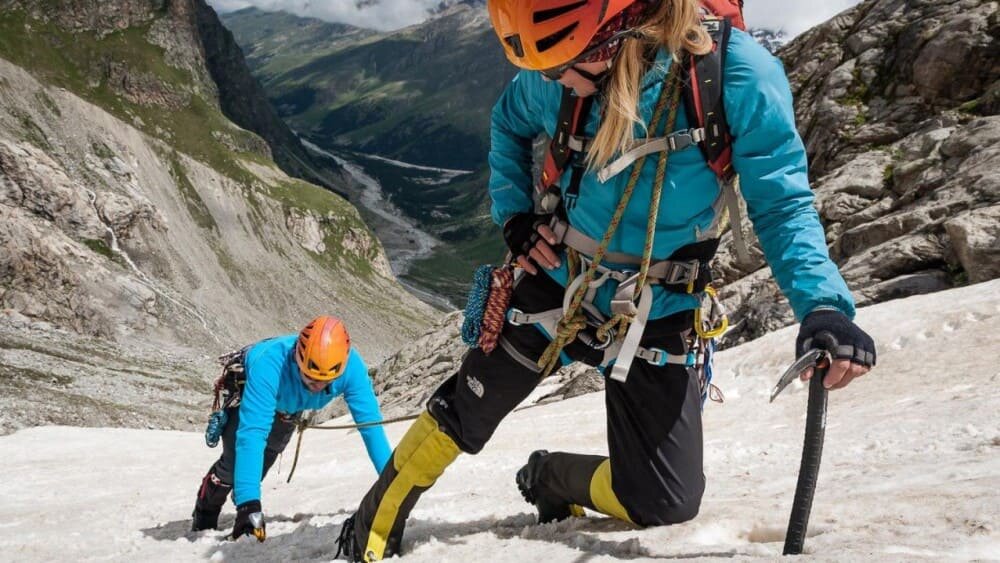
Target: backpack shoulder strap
[[703, 94], [703, 89], [567, 141]]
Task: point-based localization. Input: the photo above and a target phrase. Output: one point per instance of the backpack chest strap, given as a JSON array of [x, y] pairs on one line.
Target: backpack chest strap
[[677, 141]]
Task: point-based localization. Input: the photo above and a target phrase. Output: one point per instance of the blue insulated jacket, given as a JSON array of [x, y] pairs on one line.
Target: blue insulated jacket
[[767, 153], [273, 385]]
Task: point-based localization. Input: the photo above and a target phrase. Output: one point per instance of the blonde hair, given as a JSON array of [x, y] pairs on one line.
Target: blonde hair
[[676, 26]]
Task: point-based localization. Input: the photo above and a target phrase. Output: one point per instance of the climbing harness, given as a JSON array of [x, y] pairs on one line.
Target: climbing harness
[[628, 319], [702, 89]]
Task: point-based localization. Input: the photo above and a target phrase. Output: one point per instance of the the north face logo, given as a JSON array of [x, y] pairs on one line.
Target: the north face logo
[[476, 386]]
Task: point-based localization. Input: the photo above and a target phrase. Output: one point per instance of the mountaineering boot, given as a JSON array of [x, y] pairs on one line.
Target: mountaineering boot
[[204, 520], [211, 496], [550, 507]]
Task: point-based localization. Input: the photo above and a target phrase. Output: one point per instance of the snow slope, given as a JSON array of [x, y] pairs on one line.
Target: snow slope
[[911, 470]]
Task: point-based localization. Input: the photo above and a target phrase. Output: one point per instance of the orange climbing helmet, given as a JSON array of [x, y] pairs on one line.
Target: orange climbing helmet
[[544, 34], [322, 347]]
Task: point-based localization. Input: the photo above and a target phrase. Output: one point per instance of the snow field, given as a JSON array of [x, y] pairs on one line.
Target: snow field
[[911, 470]]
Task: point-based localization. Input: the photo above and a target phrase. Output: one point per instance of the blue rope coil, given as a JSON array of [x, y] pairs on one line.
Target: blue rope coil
[[475, 308], [216, 424]]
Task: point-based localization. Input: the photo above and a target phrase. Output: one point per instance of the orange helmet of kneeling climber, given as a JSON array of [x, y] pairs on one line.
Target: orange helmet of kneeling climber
[[321, 349]]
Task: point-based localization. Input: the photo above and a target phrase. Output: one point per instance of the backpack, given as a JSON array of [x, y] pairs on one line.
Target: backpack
[[703, 88]]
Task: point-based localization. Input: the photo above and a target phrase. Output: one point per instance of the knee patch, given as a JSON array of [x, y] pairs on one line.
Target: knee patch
[[602, 493]]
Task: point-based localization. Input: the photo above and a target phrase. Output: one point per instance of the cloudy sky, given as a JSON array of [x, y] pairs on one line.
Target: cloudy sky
[[792, 16]]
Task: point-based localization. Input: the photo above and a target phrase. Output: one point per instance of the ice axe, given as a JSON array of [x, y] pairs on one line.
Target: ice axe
[[812, 447]]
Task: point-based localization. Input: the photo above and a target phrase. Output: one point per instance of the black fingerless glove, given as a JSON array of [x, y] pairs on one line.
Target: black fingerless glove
[[832, 331], [520, 232], [249, 521]]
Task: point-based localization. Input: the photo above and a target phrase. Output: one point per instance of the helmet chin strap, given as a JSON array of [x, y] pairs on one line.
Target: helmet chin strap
[[597, 79]]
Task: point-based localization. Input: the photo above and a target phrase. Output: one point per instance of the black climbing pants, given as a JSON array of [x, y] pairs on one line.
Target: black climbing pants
[[653, 475], [218, 482]]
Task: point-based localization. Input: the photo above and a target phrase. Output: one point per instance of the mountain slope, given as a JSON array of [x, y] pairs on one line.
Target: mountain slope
[[273, 41], [884, 492], [142, 232]]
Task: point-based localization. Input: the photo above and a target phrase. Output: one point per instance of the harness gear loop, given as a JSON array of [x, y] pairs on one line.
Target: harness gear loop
[[573, 320]]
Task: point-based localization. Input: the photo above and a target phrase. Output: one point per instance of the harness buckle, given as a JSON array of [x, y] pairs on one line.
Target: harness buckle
[[657, 357], [592, 342], [512, 315], [683, 272], [623, 303], [680, 139]]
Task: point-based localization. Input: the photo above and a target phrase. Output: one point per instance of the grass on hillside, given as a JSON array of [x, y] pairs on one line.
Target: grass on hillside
[[77, 61]]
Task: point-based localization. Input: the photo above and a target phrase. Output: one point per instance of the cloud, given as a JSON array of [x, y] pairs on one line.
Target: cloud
[[792, 16], [372, 14]]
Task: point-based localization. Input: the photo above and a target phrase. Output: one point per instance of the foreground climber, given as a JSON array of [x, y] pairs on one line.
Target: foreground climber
[[615, 251], [267, 387]]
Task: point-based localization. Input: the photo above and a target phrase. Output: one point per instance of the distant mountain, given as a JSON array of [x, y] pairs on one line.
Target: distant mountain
[[274, 41], [771, 40], [421, 94]]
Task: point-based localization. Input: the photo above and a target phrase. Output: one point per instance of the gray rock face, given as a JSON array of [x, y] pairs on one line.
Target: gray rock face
[[975, 235], [896, 102]]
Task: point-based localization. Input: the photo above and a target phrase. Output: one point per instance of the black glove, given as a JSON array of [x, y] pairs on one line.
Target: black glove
[[832, 331], [249, 521], [520, 232]]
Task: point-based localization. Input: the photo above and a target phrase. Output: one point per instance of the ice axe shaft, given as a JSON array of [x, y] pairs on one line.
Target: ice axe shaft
[[812, 446]]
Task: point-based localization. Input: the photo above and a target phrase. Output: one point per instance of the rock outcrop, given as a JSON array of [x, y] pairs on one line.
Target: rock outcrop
[[897, 105], [195, 41]]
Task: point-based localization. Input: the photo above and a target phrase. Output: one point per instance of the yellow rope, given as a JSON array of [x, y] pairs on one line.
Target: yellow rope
[[573, 320], [619, 322]]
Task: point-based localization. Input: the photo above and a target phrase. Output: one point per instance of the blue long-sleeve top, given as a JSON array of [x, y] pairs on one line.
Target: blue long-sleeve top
[[273, 385], [768, 154]]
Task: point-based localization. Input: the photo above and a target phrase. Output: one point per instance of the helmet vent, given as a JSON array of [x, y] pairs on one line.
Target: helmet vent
[[547, 43], [546, 15], [515, 43]]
